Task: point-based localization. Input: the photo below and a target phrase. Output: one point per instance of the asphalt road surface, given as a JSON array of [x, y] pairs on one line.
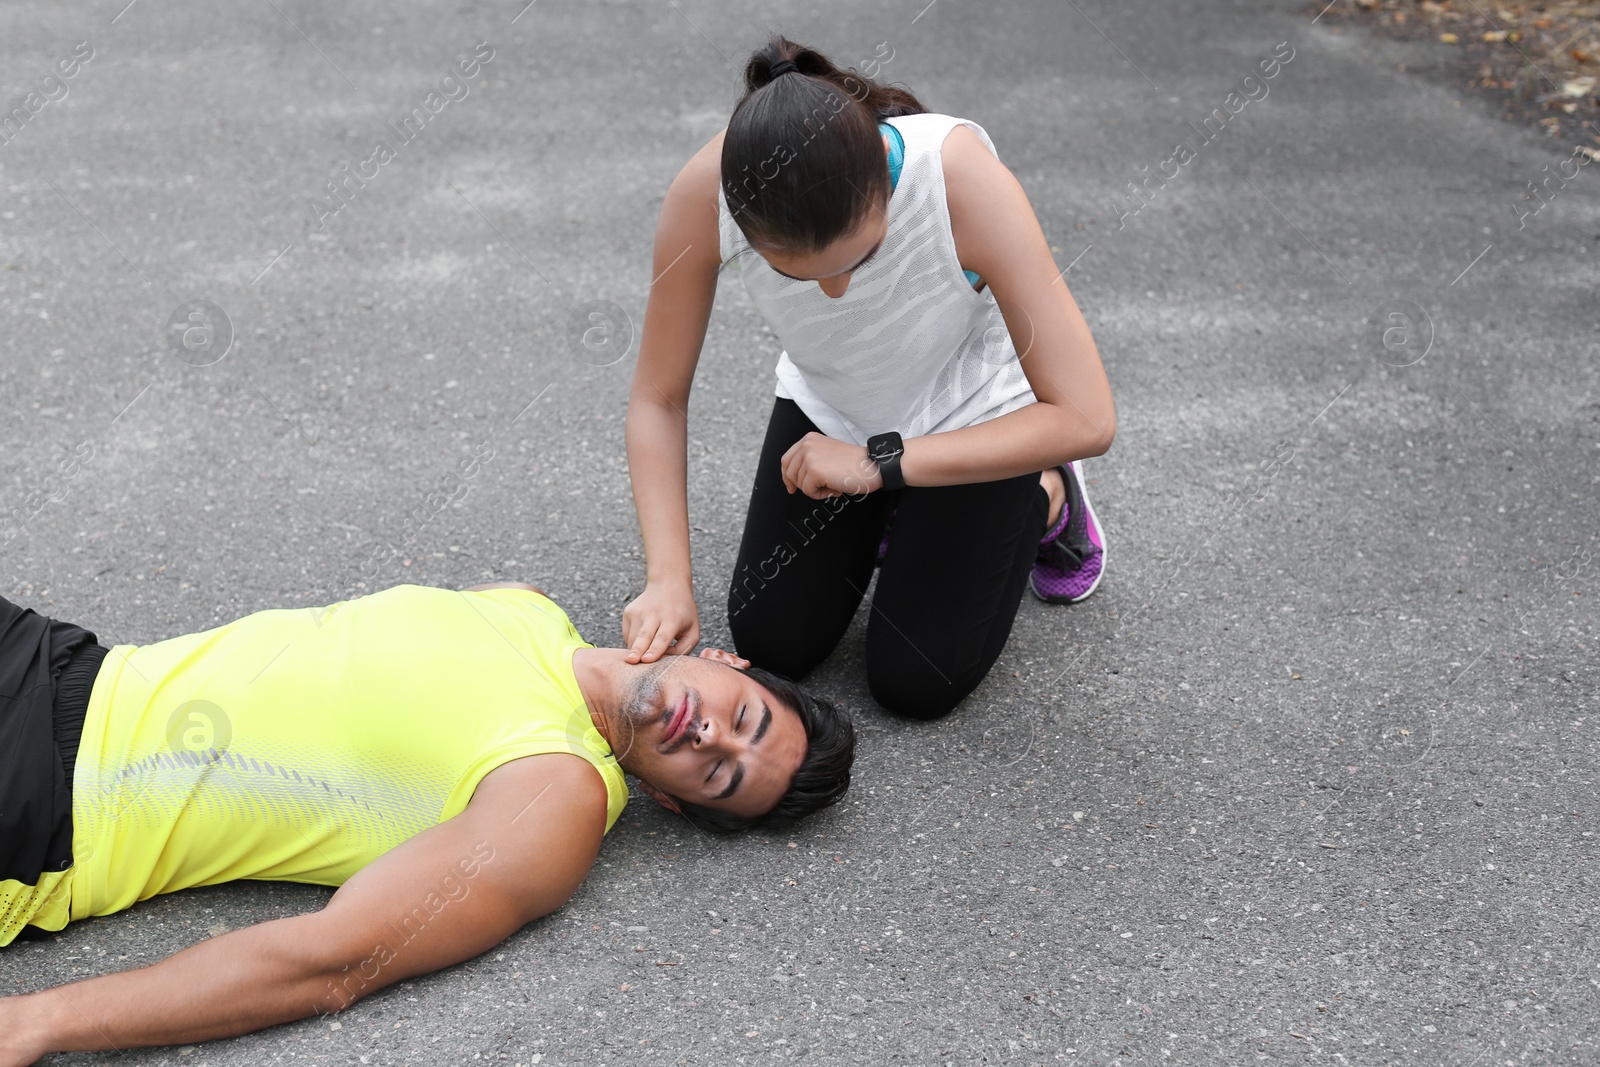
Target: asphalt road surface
[[1311, 779]]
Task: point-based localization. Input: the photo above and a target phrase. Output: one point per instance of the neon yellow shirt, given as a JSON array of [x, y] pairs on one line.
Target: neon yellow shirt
[[301, 745]]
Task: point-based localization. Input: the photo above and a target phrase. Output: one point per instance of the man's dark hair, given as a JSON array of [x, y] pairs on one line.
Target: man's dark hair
[[824, 774]]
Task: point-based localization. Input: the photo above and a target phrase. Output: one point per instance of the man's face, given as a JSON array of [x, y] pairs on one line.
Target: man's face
[[705, 732]]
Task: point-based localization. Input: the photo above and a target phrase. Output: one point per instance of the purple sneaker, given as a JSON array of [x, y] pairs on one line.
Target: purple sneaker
[[1072, 555]]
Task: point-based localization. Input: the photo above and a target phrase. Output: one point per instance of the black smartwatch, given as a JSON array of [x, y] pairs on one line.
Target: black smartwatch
[[885, 449]]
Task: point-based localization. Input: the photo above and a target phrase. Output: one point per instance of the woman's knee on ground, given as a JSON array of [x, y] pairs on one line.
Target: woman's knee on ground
[[915, 690], [763, 639]]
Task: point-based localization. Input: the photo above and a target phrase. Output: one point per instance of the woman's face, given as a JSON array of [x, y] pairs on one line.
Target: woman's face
[[831, 267]]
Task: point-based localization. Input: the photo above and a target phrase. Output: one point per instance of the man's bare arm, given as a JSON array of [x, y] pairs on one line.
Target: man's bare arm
[[517, 852]]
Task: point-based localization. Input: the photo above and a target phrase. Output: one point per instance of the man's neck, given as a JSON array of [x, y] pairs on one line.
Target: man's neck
[[596, 672]]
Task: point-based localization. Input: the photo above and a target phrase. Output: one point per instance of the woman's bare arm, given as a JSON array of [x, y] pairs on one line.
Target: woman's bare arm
[[686, 260], [998, 235]]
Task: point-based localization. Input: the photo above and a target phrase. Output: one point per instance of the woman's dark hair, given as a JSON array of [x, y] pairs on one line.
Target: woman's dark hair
[[802, 160], [824, 774]]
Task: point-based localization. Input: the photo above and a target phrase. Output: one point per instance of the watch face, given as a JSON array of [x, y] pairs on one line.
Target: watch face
[[884, 446]]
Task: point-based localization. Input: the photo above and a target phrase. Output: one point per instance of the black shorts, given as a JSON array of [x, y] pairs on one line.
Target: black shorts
[[47, 669]]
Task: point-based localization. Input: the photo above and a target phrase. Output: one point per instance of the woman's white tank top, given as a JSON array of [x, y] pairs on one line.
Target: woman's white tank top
[[911, 346]]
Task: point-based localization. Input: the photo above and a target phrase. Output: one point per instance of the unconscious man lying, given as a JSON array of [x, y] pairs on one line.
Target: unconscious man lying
[[451, 760]]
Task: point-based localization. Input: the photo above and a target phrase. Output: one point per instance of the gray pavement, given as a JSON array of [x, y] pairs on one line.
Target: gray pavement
[[1311, 778]]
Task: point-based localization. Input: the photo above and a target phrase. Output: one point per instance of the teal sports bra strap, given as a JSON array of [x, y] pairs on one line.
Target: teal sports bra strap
[[897, 153]]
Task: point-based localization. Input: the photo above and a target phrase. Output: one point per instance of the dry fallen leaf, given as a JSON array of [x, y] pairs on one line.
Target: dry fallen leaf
[[1449, 38]]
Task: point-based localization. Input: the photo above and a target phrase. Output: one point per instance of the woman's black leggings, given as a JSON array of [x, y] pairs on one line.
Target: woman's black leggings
[[958, 561]]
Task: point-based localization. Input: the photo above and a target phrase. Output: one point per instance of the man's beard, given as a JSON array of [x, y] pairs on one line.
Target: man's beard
[[640, 705]]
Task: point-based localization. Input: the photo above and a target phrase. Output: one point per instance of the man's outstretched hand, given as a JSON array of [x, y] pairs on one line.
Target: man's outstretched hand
[[15, 1047], [446, 895]]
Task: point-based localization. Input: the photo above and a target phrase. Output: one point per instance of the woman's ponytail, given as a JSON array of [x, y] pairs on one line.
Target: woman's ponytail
[[883, 101]]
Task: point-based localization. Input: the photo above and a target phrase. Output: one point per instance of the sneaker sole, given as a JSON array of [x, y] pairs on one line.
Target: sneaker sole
[[1083, 494]]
